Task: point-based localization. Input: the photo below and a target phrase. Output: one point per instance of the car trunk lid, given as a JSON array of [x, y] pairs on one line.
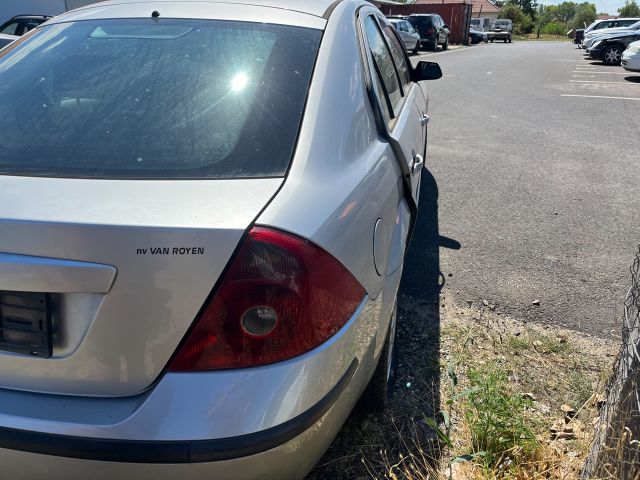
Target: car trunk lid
[[127, 266]]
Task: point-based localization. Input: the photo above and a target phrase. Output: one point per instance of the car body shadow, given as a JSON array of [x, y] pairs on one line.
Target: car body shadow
[[633, 78], [419, 304]]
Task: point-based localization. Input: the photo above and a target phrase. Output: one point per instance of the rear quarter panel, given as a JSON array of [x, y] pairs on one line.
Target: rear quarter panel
[[343, 177]]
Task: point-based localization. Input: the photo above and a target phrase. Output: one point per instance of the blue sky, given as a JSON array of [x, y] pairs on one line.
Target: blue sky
[[609, 6]]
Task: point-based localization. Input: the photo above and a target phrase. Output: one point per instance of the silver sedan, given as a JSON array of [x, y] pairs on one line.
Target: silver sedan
[[204, 213]]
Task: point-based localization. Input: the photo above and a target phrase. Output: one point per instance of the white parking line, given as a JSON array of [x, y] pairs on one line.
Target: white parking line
[[599, 96], [605, 73], [584, 76], [600, 81]]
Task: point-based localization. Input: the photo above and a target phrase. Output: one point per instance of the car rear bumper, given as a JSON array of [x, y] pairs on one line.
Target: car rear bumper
[[175, 451], [428, 40], [269, 454], [273, 421]]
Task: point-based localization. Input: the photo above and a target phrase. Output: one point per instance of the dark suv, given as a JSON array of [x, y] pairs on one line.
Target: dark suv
[[22, 24], [432, 29]]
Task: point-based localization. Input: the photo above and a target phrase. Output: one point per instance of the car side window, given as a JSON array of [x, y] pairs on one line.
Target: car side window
[[30, 25], [385, 69], [10, 29], [397, 53]]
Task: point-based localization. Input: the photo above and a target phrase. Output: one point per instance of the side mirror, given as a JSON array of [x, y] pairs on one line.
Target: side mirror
[[446, 26], [426, 71]]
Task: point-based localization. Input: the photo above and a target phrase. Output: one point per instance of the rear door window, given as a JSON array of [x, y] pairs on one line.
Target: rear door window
[[397, 53], [29, 25], [385, 69], [145, 99]]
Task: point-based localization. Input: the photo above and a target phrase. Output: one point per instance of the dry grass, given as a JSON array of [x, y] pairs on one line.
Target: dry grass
[[543, 387], [520, 401]]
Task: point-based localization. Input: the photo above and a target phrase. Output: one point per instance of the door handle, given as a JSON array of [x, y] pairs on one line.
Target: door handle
[[424, 119], [416, 164]]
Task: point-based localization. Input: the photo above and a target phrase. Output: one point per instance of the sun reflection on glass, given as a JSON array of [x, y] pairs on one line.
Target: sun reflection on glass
[[239, 81]]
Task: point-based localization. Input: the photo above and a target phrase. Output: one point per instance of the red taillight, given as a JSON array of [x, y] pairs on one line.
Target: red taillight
[[282, 296], [431, 30]]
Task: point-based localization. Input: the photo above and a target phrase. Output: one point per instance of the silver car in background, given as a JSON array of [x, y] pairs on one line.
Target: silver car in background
[[409, 35], [592, 37], [204, 213]]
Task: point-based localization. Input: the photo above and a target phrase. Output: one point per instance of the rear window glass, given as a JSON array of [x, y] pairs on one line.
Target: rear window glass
[[155, 99], [420, 21]]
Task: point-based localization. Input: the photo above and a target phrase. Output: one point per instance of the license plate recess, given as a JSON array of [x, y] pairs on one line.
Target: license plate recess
[[25, 323]]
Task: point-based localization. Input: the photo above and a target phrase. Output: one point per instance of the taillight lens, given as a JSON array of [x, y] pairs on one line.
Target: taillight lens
[[281, 297]]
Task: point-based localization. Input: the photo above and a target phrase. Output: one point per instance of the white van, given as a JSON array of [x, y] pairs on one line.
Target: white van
[[481, 24]]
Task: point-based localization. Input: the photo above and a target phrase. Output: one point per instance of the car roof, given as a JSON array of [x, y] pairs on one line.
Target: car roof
[[318, 8], [306, 13]]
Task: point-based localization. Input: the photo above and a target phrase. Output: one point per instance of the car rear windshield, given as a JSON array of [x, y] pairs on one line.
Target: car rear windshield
[[423, 21], [154, 99]]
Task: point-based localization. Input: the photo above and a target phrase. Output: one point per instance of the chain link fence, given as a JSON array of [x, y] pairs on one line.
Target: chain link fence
[[615, 453]]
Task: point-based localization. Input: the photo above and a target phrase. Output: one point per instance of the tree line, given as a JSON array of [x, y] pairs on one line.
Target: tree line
[[528, 16]]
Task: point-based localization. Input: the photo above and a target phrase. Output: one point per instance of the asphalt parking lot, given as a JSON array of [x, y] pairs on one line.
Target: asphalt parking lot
[[533, 155]]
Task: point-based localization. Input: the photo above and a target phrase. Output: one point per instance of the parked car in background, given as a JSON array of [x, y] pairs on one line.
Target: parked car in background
[[432, 29], [480, 24], [7, 39], [21, 24], [410, 37], [226, 326], [609, 48], [501, 29], [580, 33], [631, 57], [11, 8], [596, 35], [477, 37]]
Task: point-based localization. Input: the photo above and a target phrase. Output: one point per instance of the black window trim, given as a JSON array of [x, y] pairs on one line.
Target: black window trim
[[369, 62], [395, 67], [407, 61]]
